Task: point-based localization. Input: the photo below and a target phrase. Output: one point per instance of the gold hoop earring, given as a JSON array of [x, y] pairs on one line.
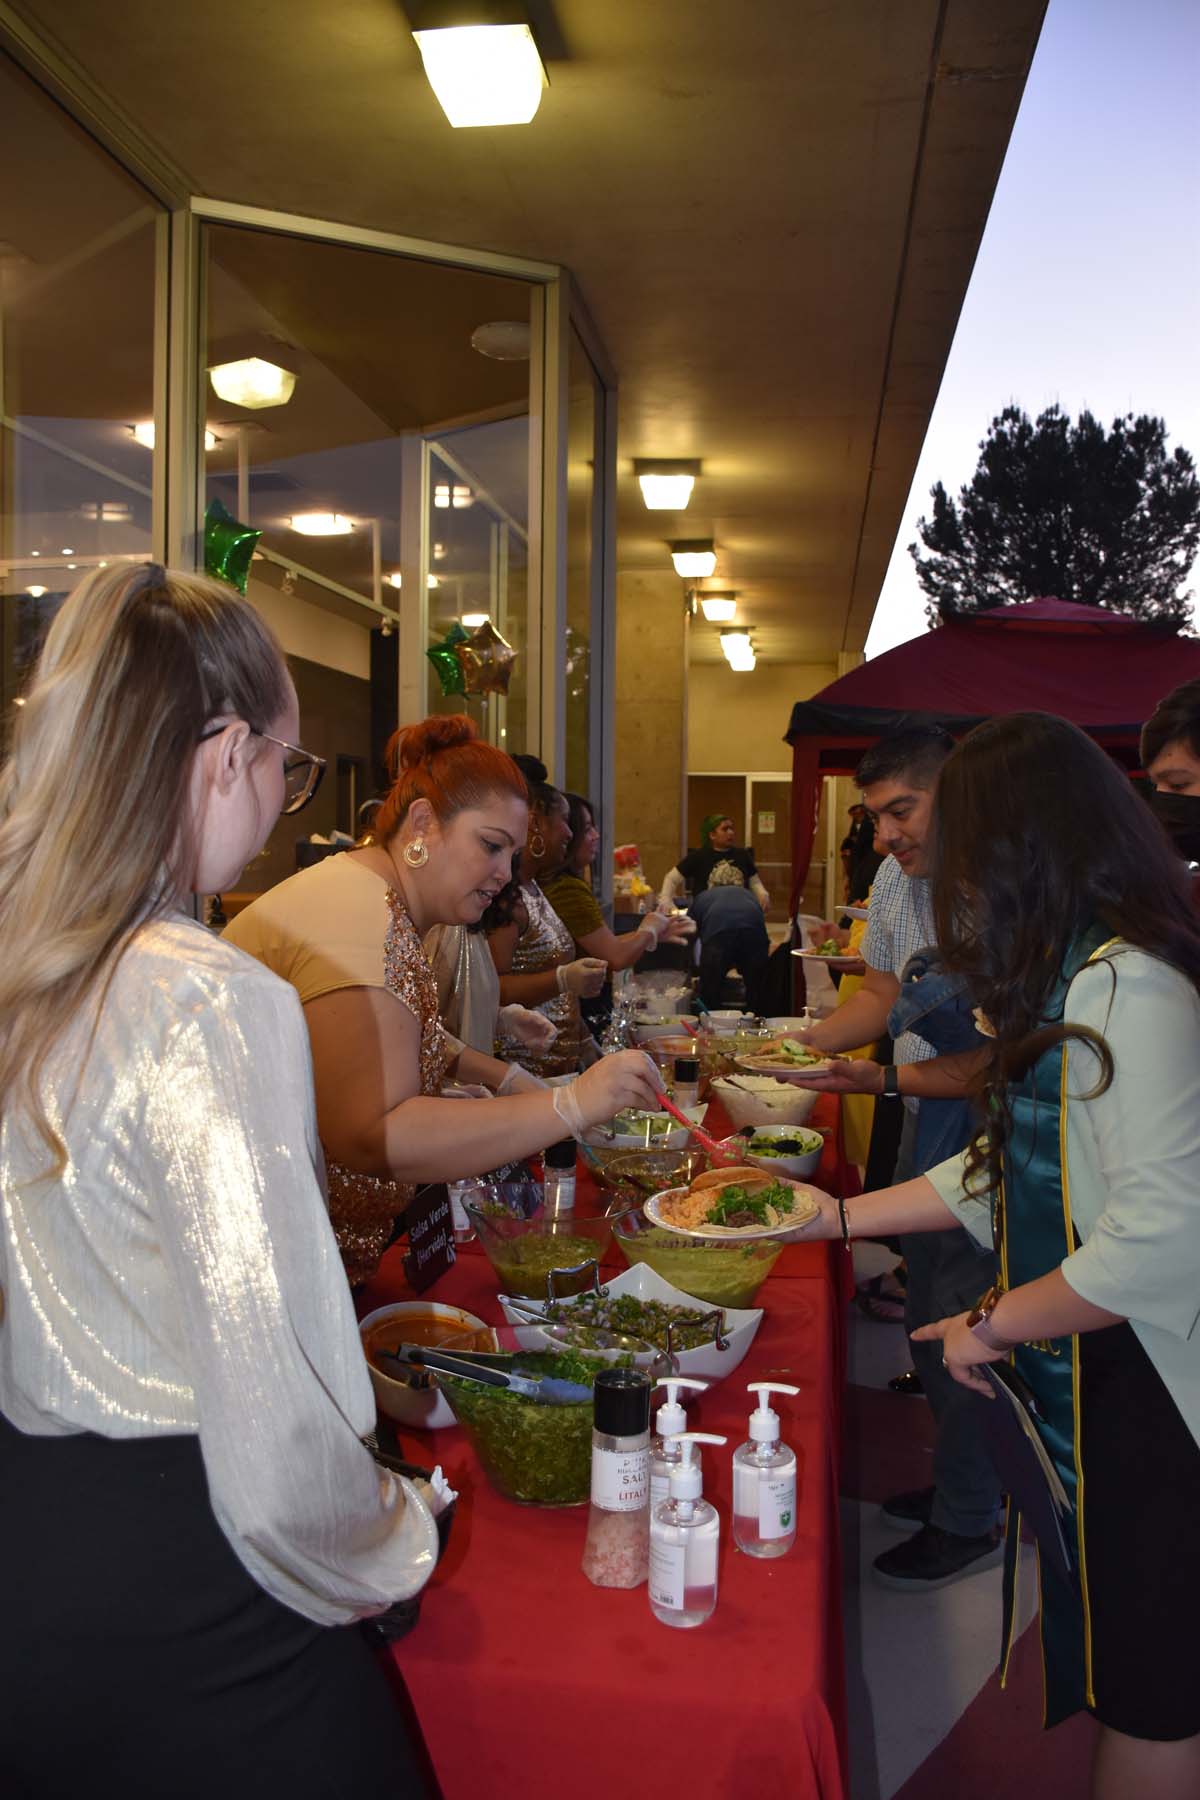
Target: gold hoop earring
[[416, 854], [537, 846]]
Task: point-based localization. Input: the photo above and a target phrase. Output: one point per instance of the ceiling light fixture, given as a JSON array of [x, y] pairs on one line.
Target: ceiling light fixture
[[738, 651], [395, 579], [719, 608], [431, 581], [321, 524], [484, 74], [144, 434], [694, 557], [666, 482], [253, 383], [504, 340], [473, 620], [35, 592]]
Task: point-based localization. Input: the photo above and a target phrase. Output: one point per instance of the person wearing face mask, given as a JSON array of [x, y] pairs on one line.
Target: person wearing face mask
[[188, 1514], [348, 936], [534, 952], [1171, 758], [720, 848]]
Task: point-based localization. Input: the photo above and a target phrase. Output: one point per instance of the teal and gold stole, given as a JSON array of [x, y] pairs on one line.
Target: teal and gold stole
[[1034, 1232]]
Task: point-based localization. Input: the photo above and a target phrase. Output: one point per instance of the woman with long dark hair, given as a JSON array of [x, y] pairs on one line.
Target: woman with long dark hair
[[1059, 899]]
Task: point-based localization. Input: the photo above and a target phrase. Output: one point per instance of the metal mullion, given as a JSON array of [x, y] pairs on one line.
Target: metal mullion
[[552, 735], [184, 415]]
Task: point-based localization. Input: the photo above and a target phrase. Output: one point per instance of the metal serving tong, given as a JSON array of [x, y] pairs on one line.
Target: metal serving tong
[[544, 1390], [608, 1337]]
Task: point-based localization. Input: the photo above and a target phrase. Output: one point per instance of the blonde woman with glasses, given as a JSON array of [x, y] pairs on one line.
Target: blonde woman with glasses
[[187, 1511]]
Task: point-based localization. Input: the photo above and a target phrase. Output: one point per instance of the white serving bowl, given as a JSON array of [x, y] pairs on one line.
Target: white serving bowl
[[729, 1021], [674, 1139], [422, 1408], [655, 1025], [761, 1100], [706, 1363], [796, 1168], [787, 1025]]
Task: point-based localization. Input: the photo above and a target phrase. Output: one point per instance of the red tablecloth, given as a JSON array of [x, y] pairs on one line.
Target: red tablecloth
[[530, 1682]]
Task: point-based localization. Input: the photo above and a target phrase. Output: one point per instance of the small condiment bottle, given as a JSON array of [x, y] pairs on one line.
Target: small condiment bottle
[[558, 1164], [670, 1421], [685, 1536], [617, 1550], [764, 1480], [687, 1080]]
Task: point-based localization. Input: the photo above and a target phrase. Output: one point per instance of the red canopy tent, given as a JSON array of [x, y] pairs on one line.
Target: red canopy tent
[[1103, 670]]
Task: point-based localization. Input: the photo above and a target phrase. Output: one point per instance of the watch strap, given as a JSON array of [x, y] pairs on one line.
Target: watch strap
[[891, 1082]]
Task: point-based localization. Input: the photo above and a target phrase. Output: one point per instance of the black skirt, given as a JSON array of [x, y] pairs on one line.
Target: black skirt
[[1141, 1524], [138, 1657]]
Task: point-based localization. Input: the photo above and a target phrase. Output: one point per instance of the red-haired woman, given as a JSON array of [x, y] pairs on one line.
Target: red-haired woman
[[348, 933]]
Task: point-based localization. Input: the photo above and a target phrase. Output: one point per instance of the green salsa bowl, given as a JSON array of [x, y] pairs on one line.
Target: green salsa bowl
[[722, 1271]]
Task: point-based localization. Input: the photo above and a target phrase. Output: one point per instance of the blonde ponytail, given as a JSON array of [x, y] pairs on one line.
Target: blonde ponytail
[[94, 826]]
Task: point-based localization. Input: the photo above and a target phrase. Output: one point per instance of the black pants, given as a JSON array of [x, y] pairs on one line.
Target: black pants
[[138, 1657], [747, 947]]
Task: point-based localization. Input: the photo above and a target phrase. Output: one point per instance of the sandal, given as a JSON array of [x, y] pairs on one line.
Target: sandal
[[885, 1308]]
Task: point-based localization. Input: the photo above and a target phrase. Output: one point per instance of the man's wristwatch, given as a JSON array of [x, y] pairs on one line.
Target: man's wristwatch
[[979, 1322], [891, 1082]]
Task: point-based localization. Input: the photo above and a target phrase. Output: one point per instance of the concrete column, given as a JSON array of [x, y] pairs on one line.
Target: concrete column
[[650, 718]]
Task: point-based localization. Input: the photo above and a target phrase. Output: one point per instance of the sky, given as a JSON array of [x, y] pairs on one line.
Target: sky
[[1086, 289]]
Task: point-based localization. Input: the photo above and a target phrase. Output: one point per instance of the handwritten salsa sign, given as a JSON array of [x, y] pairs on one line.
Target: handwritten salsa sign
[[430, 1237]]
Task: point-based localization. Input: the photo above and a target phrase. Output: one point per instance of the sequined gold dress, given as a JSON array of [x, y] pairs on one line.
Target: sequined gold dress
[[544, 944]]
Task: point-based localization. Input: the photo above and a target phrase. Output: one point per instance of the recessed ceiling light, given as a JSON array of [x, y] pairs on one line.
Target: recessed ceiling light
[[252, 382], [35, 553], [694, 558], [718, 609], [431, 581], [321, 524], [666, 482], [471, 620], [483, 74], [504, 340], [35, 592], [66, 550]]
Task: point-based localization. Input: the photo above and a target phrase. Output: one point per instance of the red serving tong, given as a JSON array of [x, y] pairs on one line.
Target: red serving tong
[[717, 1151]]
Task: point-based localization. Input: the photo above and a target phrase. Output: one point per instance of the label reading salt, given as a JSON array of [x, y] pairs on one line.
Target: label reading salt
[[620, 1479], [666, 1574], [777, 1505]]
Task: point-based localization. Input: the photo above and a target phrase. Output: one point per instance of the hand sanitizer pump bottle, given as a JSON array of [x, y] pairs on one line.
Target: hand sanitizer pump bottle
[[685, 1535], [670, 1421], [764, 1480]]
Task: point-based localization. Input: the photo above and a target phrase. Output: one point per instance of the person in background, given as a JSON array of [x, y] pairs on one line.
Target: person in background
[[1171, 758], [570, 894], [695, 871], [1059, 904], [534, 953], [732, 934], [952, 1522], [348, 936], [468, 985], [187, 1511], [860, 858]]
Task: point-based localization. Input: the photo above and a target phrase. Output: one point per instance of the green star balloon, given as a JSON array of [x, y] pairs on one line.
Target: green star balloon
[[444, 657], [228, 546]]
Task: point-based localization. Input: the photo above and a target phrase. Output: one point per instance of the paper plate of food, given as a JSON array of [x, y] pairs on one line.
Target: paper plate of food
[[741, 1202], [831, 952], [787, 1058]]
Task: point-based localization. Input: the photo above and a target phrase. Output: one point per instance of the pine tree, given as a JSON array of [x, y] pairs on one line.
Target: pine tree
[[1102, 518]]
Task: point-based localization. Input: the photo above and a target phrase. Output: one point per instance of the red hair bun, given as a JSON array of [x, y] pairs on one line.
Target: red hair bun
[[444, 760]]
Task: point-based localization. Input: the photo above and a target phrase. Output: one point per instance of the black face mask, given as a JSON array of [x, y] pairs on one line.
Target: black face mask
[[1180, 816]]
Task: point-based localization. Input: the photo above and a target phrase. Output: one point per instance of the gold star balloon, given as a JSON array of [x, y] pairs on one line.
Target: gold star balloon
[[486, 660]]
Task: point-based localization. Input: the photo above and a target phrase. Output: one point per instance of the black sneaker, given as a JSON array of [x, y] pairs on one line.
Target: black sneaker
[[934, 1558], [908, 1511]]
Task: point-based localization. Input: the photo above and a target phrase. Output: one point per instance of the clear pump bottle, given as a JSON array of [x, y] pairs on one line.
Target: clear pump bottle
[[685, 1536], [670, 1422], [764, 1480]]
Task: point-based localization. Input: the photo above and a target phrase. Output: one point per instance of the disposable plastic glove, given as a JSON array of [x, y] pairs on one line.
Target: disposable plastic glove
[[585, 976], [532, 1029], [631, 1078], [520, 1081]]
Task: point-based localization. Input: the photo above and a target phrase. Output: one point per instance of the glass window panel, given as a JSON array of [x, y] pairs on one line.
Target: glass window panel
[[77, 272], [584, 416], [380, 349]]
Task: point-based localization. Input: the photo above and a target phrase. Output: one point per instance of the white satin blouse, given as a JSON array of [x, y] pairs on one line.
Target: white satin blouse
[[181, 1274]]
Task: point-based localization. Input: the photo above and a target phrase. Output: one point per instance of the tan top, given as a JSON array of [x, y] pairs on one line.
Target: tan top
[[339, 925]]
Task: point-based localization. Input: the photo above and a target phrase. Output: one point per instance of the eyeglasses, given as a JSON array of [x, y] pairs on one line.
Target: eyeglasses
[[302, 771]]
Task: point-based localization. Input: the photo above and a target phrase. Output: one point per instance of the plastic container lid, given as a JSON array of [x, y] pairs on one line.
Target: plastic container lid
[[621, 1402], [560, 1155]]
